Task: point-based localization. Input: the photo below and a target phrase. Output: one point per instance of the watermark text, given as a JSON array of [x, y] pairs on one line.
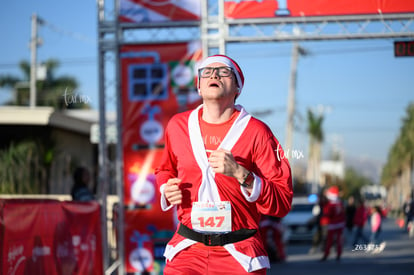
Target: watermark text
[[288, 153], [73, 98]]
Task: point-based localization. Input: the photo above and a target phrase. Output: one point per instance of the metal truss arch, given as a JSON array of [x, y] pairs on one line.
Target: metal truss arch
[[321, 28], [215, 31]]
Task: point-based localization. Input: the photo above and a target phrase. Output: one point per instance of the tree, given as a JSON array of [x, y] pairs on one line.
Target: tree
[[315, 143], [50, 91], [25, 165], [353, 182], [401, 154], [24, 168]]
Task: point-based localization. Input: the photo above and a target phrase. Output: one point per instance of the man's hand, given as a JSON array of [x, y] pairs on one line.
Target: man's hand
[[223, 162], [172, 191]]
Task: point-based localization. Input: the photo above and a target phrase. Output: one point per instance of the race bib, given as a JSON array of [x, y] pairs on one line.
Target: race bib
[[213, 217]]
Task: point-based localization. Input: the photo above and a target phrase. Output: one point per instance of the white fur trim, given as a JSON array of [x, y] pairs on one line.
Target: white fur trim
[[226, 61], [332, 197], [171, 251], [208, 189], [257, 187], [164, 204], [248, 263]]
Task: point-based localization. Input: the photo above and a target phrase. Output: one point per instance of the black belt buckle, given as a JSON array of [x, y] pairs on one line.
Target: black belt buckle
[[213, 239]]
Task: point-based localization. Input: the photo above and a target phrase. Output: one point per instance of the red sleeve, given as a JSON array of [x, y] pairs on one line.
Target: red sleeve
[[167, 168], [274, 170]]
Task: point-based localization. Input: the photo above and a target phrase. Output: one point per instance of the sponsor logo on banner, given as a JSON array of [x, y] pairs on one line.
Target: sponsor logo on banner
[[238, 9], [147, 11]]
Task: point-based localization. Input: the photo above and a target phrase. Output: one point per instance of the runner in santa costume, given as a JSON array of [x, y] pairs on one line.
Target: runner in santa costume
[[334, 214], [222, 169]]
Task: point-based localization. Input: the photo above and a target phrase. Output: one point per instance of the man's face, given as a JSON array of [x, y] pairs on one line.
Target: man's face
[[216, 83]]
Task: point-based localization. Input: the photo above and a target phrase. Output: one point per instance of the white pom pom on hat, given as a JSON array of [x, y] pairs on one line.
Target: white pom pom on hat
[[228, 62]]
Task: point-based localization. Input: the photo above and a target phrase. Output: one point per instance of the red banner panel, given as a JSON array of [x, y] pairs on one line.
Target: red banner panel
[[147, 11], [157, 81], [50, 237], [282, 8], [147, 231]]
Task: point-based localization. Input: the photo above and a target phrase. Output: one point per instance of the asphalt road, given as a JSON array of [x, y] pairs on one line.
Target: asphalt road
[[397, 258]]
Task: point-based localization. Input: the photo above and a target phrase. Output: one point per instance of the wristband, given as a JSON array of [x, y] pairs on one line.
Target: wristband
[[248, 180]]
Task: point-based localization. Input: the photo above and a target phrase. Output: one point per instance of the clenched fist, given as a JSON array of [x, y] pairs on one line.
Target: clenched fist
[[172, 191]]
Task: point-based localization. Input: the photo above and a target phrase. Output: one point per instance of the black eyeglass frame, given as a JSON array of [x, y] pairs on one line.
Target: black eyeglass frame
[[213, 69]]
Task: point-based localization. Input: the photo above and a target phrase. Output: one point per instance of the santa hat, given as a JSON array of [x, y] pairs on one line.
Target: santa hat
[[228, 62], [332, 193]]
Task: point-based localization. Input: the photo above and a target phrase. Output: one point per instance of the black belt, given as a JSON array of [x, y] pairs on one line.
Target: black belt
[[216, 239]]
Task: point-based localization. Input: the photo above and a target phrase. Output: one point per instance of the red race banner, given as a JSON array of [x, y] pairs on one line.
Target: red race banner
[[50, 237], [147, 11], [157, 81], [281, 8], [147, 231]]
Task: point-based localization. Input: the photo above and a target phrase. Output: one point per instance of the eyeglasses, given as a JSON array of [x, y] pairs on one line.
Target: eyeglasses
[[221, 71]]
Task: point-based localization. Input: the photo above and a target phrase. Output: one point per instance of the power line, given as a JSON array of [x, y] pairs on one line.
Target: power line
[[72, 34], [270, 53], [75, 35]]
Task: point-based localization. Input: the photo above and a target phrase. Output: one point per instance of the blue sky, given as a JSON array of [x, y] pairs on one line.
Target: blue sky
[[364, 87]]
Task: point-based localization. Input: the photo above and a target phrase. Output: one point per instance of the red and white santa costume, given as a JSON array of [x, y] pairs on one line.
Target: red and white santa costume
[[253, 146], [334, 214]]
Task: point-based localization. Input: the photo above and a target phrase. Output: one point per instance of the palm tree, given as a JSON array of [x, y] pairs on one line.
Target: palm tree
[[25, 166], [51, 90], [315, 143], [400, 159]]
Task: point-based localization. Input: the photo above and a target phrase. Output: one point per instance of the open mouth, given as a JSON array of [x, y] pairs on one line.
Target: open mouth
[[214, 85]]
